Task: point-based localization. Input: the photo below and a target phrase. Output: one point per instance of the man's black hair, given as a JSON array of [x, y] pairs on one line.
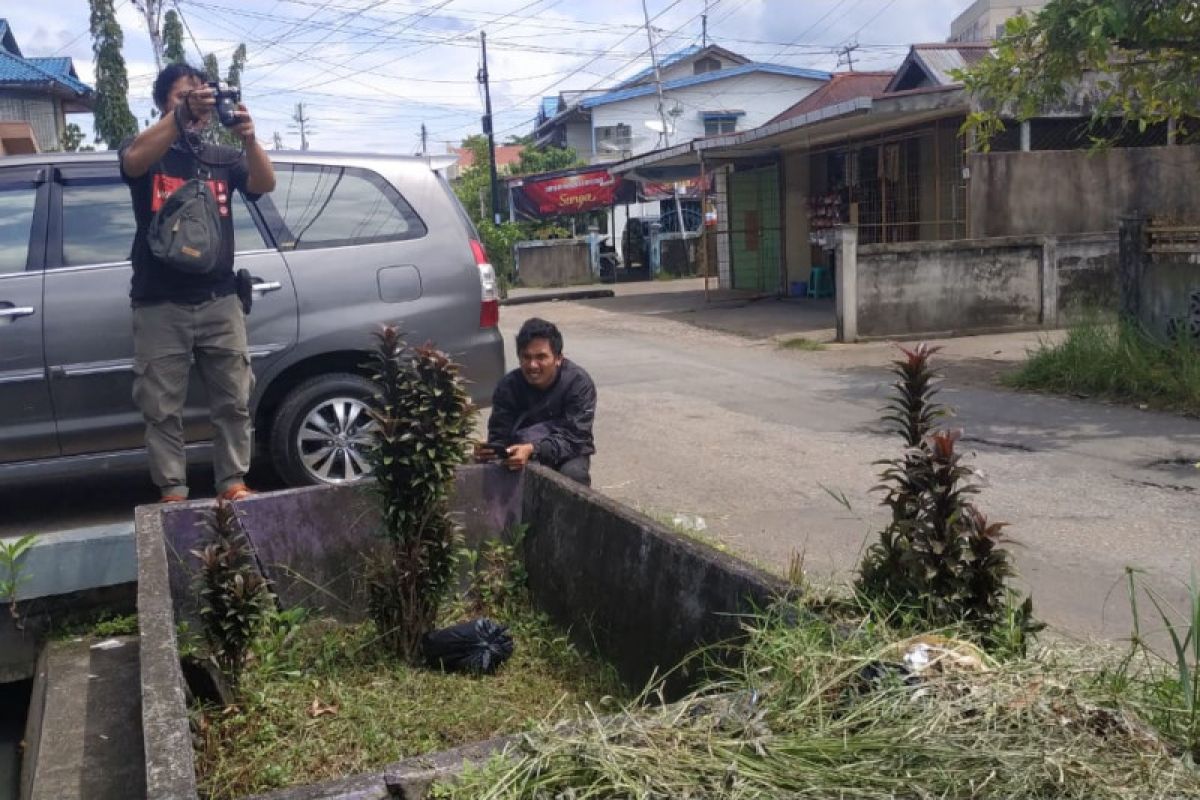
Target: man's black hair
[[537, 328], [166, 79]]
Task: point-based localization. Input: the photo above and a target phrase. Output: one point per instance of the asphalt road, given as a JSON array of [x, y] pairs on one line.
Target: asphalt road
[[757, 441]]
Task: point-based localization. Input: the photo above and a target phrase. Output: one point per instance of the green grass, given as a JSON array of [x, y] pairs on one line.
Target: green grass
[[1116, 361], [803, 717], [371, 710]]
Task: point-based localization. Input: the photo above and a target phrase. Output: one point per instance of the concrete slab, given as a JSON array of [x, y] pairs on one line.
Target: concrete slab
[[75, 560], [87, 741]]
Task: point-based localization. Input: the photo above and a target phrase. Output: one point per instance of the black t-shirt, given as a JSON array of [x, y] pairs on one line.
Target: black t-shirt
[[226, 171]]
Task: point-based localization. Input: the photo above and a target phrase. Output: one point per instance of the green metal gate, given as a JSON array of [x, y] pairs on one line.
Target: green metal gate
[[754, 235]]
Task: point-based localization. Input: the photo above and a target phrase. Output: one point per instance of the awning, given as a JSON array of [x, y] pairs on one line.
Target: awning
[[861, 116]]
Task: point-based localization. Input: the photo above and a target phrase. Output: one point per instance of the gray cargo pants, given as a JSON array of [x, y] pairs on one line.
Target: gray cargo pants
[[165, 337]]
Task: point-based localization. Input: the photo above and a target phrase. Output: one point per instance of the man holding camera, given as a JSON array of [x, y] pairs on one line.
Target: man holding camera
[[183, 309], [543, 411]]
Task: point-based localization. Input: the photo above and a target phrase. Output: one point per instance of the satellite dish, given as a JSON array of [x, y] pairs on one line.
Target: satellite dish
[[657, 126], [676, 110]]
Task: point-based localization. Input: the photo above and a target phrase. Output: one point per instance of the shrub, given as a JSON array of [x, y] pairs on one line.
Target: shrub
[[423, 422], [939, 557], [234, 596]]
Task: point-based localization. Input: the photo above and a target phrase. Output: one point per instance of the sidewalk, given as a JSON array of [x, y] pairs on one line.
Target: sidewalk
[[684, 300], [978, 360]]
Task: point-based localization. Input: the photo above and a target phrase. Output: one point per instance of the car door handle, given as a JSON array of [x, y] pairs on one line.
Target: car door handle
[[267, 286], [16, 311]]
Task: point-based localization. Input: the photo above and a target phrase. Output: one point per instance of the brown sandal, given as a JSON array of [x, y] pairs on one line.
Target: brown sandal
[[239, 491]]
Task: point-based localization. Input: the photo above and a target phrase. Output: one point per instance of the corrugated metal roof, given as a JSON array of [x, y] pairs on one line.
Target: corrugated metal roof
[[842, 87], [15, 70], [707, 77], [940, 62], [673, 58]]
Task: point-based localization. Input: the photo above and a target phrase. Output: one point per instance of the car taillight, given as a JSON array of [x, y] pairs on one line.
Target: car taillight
[[489, 297]]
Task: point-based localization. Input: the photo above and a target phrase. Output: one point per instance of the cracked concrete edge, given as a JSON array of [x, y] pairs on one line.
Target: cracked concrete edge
[[170, 767]]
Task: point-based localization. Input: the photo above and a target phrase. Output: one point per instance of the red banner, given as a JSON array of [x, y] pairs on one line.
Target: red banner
[[569, 194], [689, 189]]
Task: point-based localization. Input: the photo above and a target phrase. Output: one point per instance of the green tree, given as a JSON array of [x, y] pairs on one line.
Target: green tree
[[172, 37], [114, 122], [72, 137], [211, 67], [534, 161], [473, 188], [236, 64], [1131, 59]]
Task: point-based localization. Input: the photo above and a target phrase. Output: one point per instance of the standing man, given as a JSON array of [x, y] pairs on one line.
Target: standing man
[[177, 313], [543, 411]]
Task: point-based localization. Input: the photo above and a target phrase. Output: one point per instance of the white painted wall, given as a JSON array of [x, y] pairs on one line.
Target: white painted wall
[[579, 137], [760, 95]]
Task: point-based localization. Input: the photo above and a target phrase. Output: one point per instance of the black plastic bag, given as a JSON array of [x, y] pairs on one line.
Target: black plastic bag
[[479, 646]]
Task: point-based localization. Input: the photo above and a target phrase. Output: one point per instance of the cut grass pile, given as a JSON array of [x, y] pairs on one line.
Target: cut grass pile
[[820, 710], [1116, 361], [800, 343], [322, 701]]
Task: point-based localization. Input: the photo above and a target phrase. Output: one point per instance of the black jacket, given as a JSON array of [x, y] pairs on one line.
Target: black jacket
[[557, 421]]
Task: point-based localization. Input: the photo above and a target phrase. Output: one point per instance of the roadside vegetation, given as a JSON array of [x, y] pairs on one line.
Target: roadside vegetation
[[1116, 360], [322, 700], [925, 680]]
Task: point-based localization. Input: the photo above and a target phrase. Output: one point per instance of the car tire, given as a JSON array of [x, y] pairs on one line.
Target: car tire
[[321, 429]]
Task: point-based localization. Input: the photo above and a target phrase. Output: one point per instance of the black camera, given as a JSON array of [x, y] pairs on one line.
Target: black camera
[[227, 98]]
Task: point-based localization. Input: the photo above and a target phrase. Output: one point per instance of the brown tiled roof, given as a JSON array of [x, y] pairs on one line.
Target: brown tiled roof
[[841, 87], [506, 154]]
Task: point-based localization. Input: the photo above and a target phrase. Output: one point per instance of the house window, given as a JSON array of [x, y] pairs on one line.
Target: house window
[[708, 64], [614, 138], [714, 126]]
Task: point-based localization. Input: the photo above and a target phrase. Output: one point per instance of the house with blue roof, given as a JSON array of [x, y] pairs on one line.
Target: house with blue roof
[[707, 91], [36, 94]]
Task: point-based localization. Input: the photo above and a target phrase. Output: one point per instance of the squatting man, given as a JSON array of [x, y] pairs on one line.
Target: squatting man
[[190, 308], [543, 410]]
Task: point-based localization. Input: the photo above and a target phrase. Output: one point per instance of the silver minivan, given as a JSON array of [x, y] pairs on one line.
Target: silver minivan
[[344, 244]]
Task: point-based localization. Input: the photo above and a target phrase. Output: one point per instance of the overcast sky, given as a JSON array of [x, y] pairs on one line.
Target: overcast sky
[[371, 71]]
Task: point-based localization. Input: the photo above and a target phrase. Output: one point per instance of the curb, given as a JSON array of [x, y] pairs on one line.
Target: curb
[[553, 297]]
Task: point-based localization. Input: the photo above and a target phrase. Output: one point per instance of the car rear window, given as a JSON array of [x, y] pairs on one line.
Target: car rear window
[[327, 206]]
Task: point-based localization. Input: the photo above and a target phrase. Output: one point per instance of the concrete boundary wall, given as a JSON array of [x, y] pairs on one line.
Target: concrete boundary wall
[[972, 286], [639, 594]]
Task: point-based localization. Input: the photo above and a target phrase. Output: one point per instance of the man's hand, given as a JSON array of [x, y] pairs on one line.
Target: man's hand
[[200, 103], [518, 456], [245, 128]]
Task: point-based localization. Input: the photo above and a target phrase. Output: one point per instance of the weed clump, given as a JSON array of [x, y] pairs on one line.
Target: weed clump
[[422, 418], [234, 596], [939, 557]]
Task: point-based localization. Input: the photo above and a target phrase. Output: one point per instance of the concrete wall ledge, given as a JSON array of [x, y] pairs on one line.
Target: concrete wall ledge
[[994, 242], [621, 584]]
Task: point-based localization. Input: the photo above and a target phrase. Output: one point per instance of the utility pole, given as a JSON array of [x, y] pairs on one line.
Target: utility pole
[[488, 129], [278, 140], [704, 26], [847, 53], [665, 138], [302, 125], [424, 140]]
